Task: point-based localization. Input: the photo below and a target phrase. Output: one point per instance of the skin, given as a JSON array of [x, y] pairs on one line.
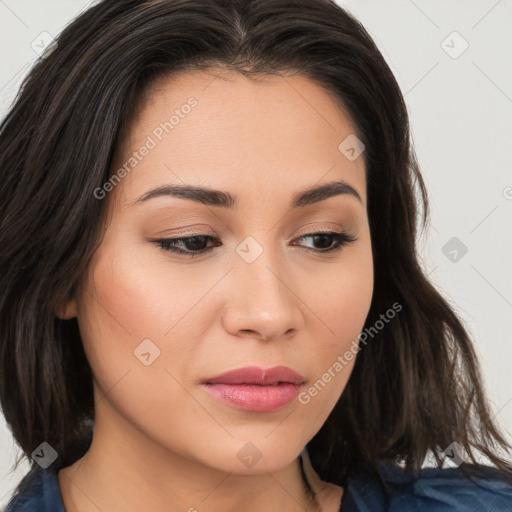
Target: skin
[[161, 442]]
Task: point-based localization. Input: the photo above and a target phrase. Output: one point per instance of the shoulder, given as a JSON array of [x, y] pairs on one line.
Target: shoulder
[[38, 491], [389, 488]]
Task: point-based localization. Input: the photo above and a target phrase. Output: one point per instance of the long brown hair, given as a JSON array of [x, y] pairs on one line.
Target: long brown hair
[[414, 390]]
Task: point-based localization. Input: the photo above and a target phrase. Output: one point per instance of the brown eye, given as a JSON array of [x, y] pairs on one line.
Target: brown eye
[[328, 241], [193, 245]]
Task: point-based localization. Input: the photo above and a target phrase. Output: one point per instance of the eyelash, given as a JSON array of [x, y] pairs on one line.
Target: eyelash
[[341, 240]]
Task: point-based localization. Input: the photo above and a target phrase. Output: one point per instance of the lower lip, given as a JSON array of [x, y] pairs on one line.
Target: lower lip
[[252, 397]]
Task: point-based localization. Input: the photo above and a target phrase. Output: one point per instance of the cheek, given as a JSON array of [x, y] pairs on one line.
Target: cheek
[[344, 298], [340, 304], [130, 300], [136, 299], [126, 304]]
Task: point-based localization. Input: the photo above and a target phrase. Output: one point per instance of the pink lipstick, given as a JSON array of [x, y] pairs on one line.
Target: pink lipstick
[[255, 389]]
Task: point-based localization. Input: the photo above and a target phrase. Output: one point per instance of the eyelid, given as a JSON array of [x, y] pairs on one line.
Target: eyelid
[[197, 230], [189, 232], [322, 229]]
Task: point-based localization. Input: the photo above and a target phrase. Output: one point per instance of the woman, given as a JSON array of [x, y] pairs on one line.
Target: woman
[[211, 291]]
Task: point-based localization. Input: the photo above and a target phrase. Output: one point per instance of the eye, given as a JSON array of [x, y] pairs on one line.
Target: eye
[[329, 241], [196, 245]]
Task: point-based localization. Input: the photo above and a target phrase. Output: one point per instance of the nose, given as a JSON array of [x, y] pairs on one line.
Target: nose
[[262, 300]]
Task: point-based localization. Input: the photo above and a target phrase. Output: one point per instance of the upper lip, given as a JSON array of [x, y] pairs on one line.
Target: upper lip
[[257, 375]]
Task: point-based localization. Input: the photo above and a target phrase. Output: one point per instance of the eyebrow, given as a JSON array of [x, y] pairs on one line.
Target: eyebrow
[[212, 197]]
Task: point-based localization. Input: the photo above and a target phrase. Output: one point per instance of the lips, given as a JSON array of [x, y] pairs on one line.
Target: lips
[[257, 376], [255, 389]]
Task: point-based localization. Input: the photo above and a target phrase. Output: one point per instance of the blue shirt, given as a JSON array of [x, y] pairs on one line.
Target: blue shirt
[[439, 490]]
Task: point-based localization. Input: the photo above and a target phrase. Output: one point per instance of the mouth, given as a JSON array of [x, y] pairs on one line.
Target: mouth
[[255, 389]]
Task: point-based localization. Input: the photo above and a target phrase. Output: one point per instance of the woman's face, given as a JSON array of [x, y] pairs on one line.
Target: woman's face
[[155, 323]]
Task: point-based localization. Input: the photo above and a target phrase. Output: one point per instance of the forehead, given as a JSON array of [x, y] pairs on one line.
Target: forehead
[[225, 130]]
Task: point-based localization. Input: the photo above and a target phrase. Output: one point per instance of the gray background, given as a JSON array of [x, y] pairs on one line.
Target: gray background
[[460, 105]]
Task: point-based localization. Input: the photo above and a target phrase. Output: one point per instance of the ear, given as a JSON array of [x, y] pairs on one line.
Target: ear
[[67, 309]]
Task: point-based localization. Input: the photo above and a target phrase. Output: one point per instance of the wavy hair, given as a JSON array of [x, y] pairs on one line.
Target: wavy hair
[[414, 390]]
